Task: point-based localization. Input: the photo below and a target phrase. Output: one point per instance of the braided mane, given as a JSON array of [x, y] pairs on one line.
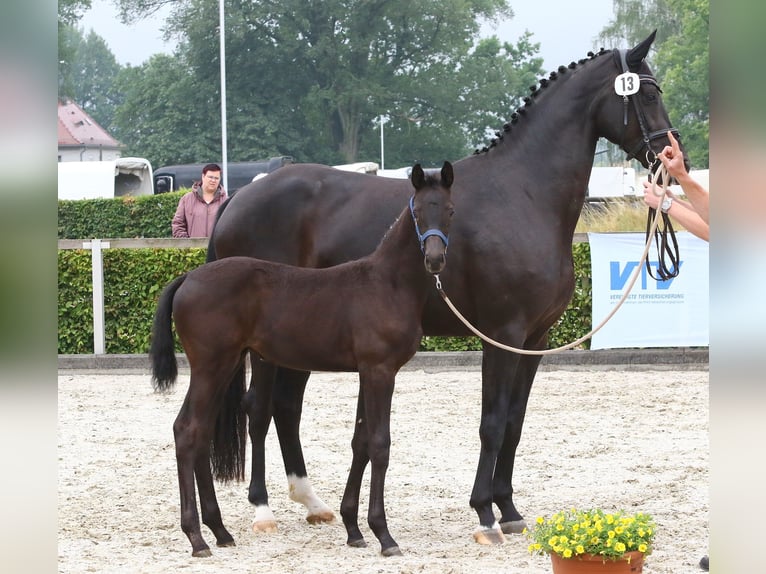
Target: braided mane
[[535, 92]]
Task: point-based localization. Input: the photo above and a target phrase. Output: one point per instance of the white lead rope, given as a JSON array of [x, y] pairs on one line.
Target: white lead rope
[[661, 171]]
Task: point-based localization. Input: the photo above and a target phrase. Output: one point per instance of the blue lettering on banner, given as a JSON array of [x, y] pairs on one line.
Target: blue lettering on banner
[[618, 278]]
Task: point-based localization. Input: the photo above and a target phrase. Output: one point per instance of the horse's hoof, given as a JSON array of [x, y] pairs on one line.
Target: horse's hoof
[[359, 543], [513, 527], [391, 551], [489, 536], [225, 543], [204, 553], [264, 526], [324, 517]]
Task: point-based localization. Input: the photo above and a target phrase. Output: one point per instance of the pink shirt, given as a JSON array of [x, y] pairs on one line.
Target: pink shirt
[[194, 217]]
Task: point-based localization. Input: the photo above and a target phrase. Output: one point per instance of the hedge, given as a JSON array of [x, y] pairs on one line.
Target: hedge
[[134, 278], [143, 216]]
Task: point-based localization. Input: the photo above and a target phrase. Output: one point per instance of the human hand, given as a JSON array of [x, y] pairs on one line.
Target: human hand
[[651, 199], [673, 158]]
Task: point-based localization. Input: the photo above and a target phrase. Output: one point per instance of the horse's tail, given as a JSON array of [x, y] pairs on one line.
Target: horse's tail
[[162, 348], [211, 256], [227, 449]]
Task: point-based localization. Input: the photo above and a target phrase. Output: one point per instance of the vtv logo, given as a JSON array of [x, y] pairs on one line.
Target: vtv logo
[[618, 277]]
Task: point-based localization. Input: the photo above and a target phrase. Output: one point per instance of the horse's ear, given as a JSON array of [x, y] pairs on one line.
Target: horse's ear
[[636, 55], [447, 175], [417, 177]]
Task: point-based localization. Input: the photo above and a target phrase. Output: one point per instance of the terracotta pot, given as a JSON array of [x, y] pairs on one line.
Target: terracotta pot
[[592, 564]]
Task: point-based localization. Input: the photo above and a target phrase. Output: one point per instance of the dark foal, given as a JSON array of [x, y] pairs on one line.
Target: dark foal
[[359, 316]]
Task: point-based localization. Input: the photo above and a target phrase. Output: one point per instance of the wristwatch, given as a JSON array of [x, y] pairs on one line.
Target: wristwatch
[[666, 203]]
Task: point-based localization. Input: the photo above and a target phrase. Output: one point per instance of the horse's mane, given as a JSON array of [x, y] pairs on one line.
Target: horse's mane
[[535, 91]]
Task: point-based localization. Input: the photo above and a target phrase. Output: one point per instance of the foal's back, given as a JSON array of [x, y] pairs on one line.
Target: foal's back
[[308, 319]]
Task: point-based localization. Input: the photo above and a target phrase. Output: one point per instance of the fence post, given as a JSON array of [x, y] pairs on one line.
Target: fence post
[[97, 269]]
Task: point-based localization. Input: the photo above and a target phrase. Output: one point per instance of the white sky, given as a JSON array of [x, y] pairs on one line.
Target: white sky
[[565, 29]]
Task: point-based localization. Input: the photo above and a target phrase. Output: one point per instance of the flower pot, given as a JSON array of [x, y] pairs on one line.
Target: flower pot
[[594, 564]]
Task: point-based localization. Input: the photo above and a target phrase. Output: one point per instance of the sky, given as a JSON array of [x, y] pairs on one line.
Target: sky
[[566, 30]]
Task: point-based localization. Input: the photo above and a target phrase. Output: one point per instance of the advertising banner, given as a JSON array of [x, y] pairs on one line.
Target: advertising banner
[[671, 313]]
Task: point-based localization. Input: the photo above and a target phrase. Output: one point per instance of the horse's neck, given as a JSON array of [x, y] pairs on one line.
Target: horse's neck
[[399, 250], [554, 138]]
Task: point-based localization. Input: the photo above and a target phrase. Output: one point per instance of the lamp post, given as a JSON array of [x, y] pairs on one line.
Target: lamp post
[[383, 119]]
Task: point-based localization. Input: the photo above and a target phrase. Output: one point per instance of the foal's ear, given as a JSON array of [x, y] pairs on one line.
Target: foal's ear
[[636, 55], [447, 175], [418, 178]]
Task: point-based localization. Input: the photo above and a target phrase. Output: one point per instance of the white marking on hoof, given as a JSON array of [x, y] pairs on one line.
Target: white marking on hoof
[[301, 491], [264, 519], [488, 536]]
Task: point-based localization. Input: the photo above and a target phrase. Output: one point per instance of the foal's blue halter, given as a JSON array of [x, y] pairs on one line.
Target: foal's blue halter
[[423, 236]]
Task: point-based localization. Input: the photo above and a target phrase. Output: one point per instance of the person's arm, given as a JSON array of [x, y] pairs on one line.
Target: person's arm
[[178, 224], [680, 211], [673, 160], [696, 194]]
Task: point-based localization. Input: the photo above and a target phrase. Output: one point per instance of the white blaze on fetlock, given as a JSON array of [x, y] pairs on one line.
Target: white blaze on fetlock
[[493, 535], [301, 491], [264, 519]]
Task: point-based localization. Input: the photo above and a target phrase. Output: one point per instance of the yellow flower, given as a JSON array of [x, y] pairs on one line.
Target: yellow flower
[[642, 547], [567, 553], [580, 549], [619, 546], [540, 519]]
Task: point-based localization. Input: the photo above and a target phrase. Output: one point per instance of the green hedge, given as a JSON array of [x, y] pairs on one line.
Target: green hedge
[[133, 279], [143, 216]]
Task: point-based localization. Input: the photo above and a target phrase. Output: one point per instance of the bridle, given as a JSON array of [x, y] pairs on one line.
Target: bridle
[[661, 233], [423, 236], [647, 136]]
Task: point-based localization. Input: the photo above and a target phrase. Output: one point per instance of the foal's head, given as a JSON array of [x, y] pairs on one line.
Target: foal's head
[[432, 211]]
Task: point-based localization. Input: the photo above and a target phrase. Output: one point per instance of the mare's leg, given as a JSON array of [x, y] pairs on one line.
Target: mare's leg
[[498, 371], [193, 429], [287, 402], [349, 506], [257, 403], [511, 521], [378, 386]]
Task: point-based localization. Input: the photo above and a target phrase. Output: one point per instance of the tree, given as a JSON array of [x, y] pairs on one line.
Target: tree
[[160, 116], [308, 79], [683, 63], [94, 72], [69, 13]]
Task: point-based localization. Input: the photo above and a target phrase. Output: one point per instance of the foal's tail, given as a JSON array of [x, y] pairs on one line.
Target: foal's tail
[[162, 349]]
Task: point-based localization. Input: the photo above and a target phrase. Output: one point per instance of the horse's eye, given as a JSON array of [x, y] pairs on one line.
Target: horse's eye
[[650, 98]]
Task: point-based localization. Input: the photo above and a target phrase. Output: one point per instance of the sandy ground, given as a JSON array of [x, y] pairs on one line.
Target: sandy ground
[[618, 440]]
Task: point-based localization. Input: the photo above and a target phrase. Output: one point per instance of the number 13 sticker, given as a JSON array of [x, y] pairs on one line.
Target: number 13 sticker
[[626, 84]]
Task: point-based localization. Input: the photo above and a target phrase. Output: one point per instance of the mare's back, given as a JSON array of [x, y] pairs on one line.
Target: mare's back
[[301, 215]]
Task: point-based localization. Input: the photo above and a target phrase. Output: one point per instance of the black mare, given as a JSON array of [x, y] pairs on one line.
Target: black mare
[[510, 271], [227, 308]]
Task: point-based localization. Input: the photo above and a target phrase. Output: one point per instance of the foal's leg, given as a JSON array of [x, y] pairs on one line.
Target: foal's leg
[[378, 386], [287, 401], [349, 506], [498, 368], [193, 430], [257, 403], [511, 521]]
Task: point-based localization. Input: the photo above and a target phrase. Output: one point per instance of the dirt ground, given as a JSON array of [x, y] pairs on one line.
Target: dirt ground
[[617, 440]]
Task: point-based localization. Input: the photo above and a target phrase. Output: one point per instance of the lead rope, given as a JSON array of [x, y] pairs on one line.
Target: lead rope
[[660, 172]]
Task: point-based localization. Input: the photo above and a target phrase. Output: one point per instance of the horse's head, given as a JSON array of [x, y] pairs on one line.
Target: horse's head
[[431, 208], [632, 114]]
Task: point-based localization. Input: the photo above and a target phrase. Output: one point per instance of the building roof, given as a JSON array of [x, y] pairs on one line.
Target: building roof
[[76, 128]]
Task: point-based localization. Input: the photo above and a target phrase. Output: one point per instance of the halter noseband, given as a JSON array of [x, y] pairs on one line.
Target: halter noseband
[[651, 155], [423, 236]]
